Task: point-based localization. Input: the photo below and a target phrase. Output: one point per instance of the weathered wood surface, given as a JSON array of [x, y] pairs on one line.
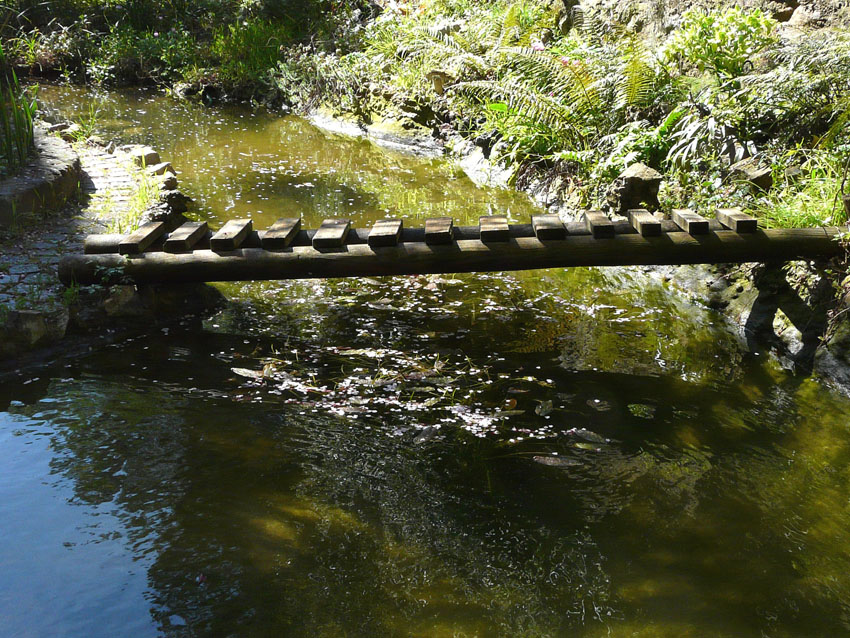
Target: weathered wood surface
[[385, 232], [689, 221], [108, 243], [332, 233], [644, 222], [185, 237], [598, 224], [438, 230], [494, 228], [282, 233], [139, 240], [548, 227], [231, 235], [355, 260], [734, 219]]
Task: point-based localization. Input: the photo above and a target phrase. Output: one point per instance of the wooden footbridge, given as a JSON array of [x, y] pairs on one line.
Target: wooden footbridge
[[237, 252]]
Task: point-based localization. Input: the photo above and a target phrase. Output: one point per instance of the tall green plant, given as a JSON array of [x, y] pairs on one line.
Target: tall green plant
[[17, 112]]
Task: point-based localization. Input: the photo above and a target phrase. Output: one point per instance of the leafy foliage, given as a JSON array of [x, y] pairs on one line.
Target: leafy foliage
[[723, 42]]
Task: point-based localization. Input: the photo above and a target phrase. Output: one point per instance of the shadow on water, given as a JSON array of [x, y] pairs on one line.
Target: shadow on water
[[569, 453]]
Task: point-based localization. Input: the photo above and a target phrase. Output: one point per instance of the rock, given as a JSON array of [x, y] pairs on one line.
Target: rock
[[832, 358], [167, 182], [70, 133], [125, 302], [143, 155], [748, 170], [439, 79], [546, 37], [781, 12], [162, 212], [176, 300], [565, 11], [28, 326], [160, 169], [86, 312], [45, 183], [175, 200], [805, 17], [636, 187], [59, 127]]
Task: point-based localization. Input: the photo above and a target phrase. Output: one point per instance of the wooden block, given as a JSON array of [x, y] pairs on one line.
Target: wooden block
[[231, 235], [182, 239], [548, 227], [438, 230], [598, 224], [141, 239], [689, 221], [385, 232], [644, 222], [734, 219], [494, 228], [332, 233], [281, 233]]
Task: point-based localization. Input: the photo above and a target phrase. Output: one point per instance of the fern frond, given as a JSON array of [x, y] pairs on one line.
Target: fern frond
[[637, 76], [572, 81], [520, 99], [510, 31]]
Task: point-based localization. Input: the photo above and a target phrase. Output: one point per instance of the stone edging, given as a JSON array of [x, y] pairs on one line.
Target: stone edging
[[46, 183]]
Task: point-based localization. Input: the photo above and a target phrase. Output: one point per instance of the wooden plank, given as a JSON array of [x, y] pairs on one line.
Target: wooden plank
[[735, 219], [408, 258], [494, 228], [281, 233], [689, 221], [598, 224], [548, 227], [385, 232], [644, 222], [332, 233], [185, 237], [438, 230], [139, 240], [231, 235]]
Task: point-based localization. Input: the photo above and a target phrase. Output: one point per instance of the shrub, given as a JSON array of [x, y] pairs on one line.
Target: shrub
[[249, 50], [723, 43]]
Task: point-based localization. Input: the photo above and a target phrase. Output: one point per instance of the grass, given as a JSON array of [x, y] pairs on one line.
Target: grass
[[809, 194], [17, 111], [145, 196]]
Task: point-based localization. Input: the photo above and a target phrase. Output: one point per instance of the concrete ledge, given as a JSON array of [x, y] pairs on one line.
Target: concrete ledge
[[46, 183]]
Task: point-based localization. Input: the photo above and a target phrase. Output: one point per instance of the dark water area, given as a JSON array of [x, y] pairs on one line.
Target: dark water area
[[551, 453]]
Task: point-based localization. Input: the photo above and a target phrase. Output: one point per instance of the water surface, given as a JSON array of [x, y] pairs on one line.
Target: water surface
[[554, 453]]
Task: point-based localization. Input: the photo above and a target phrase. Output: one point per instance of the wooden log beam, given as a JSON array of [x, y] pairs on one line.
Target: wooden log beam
[[358, 260]]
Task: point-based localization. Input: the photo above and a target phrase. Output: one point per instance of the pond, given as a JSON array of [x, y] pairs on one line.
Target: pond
[[550, 453]]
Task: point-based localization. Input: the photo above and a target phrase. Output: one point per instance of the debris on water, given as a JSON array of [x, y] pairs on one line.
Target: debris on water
[[543, 408], [248, 374], [599, 404], [642, 410], [587, 435], [426, 434], [556, 461], [581, 445]]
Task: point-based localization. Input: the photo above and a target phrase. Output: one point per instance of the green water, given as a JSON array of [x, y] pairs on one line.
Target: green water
[[559, 453]]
